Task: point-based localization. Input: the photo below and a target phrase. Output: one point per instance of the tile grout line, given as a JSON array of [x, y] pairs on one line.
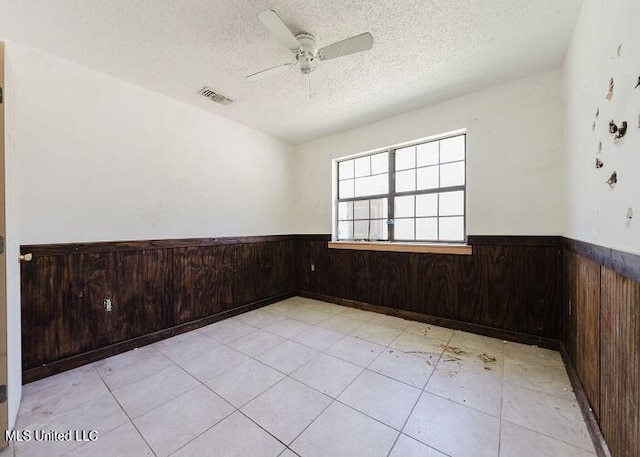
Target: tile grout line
[[115, 428], [256, 360], [418, 400], [127, 415], [335, 399], [236, 409], [548, 436], [314, 357], [504, 363], [201, 383], [288, 375]]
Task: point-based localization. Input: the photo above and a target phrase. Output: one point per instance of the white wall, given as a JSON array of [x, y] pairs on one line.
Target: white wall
[[514, 157], [102, 159], [12, 249], [90, 157], [596, 213]]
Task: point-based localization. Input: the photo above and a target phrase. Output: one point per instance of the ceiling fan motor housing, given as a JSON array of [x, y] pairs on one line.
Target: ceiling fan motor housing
[[307, 53], [308, 43]]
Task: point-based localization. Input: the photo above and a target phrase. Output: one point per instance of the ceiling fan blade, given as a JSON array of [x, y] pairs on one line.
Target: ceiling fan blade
[[357, 43], [270, 71], [279, 30]]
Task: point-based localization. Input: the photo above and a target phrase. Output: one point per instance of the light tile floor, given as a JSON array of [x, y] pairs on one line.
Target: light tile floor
[[303, 377]]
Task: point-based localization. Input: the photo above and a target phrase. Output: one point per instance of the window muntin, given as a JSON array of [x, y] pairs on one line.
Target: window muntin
[[411, 193]]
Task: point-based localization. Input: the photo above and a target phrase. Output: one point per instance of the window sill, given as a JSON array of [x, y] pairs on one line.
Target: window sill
[[456, 249]]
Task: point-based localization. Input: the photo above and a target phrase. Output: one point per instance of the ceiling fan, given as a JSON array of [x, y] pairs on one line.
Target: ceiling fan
[[304, 47]]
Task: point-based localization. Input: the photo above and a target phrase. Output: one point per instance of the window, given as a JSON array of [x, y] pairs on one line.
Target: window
[[412, 193]]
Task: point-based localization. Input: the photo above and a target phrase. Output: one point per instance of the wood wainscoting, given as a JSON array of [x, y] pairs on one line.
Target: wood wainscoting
[[157, 289], [510, 286], [550, 291], [602, 307], [508, 283]]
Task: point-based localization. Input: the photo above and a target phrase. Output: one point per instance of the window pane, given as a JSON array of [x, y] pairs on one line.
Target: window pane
[[372, 185], [361, 209], [404, 229], [406, 158], [427, 228], [379, 208], [452, 204], [378, 229], [452, 149], [451, 228], [361, 230], [452, 174], [404, 206], [428, 178], [346, 189], [428, 154], [345, 230], [406, 181], [380, 163], [345, 169], [427, 205], [427, 169], [345, 210], [363, 166]]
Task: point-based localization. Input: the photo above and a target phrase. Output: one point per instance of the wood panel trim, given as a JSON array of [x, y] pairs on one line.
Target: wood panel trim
[[313, 237], [599, 443], [101, 247], [513, 240], [75, 361], [547, 343], [401, 247], [98, 247], [625, 263]]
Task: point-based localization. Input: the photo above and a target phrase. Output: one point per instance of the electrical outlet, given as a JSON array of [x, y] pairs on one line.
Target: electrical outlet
[[313, 267], [108, 304]]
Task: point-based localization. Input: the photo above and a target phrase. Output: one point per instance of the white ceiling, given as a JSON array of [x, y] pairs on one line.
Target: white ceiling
[[424, 51]]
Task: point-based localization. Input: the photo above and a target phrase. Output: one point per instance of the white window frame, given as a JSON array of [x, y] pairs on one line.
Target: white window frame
[[391, 194]]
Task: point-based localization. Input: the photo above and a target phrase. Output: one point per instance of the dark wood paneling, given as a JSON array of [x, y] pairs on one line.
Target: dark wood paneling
[[144, 283], [204, 281], [570, 269], [153, 285], [39, 372], [548, 343], [41, 280], [599, 443], [444, 287], [515, 287], [263, 270], [102, 247], [311, 263], [603, 339], [587, 311], [512, 240], [625, 263], [620, 363]]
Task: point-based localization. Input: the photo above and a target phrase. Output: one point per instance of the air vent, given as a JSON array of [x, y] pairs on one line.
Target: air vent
[[216, 97]]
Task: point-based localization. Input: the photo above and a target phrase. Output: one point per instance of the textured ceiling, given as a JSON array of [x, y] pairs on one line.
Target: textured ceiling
[[424, 51]]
